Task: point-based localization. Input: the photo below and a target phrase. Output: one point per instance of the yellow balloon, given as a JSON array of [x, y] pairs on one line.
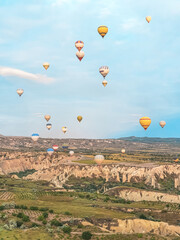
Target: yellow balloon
[[64, 129], [148, 19], [102, 30], [145, 122], [79, 118]]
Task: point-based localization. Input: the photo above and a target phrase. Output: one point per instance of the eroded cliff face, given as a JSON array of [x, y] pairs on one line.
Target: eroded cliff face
[[59, 168], [118, 173], [131, 226], [142, 195]]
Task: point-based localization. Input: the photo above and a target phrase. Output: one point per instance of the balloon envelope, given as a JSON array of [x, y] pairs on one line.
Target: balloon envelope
[[123, 150], [49, 126], [71, 153], [64, 129], [55, 147], [145, 122], [47, 117], [80, 55], [20, 91], [102, 30], [104, 83], [65, 146], [35, 137], [148, 19], [104, 70], [46, 65], [79, 118], [50, 151], [79, 45], [162, 123], [99, 159]]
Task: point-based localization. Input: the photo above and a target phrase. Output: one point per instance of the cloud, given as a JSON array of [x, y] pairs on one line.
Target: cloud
[[12, 72], [58, 3], [134, 25], [105, 12]]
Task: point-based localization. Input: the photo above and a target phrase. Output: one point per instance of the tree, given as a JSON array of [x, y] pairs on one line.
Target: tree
[[67, 229], [86, 235]]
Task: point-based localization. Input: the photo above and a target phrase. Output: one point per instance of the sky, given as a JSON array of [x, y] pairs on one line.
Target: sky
[[144, 77]]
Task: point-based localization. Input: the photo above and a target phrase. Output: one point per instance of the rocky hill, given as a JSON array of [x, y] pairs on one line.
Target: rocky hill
[[132, 144]]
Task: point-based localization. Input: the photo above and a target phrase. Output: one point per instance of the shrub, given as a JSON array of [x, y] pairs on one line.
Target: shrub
[[86, 235], [19, 223], [142, 216], [43, 209], [25, 218], [20, 215], [67, 229], [23, 207], [33, 208], [51, 211], [56, 223], [40, 218], [80, 225], [44, 222], [45, 214], [34, 225], [67, 213], [106, 199], [140, 235], [2, 208]]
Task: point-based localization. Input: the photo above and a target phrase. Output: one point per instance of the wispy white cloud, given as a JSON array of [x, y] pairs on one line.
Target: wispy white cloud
[[105, 12], [10, 72], [119, 42], [57, 3], [134, 25]]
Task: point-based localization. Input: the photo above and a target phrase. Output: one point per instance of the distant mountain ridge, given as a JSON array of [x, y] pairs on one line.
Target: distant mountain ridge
[[150, 139]]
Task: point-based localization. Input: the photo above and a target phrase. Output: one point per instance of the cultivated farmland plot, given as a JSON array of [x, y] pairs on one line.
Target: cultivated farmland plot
[[6, 195]]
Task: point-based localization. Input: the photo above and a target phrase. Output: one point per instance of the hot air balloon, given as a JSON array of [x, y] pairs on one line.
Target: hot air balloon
[[104, 83], [79, 45], [99, 159], [20, 91], [102, 30], [35, 137], [145, 122], [65, 146], [71, 153], [47, 117], [50, 151], [49, 126], [46, 65], [80, 55], [162, 123], [123, 150], [55, 147], [148, 19], [79, 118], [64, 129], [104, 70]]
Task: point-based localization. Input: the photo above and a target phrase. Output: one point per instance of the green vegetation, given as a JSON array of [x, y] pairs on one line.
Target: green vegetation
[[86, 235], [25, 173]]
